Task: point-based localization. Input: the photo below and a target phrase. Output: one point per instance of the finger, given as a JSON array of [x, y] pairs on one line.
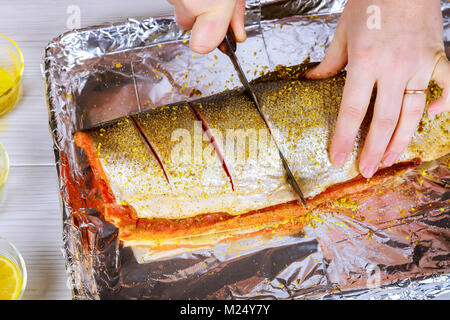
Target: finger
[[355, 101], [185, 19], [411, 113], [237, 21], [210, 27], [385, 117], [335, 58], [441, 75]]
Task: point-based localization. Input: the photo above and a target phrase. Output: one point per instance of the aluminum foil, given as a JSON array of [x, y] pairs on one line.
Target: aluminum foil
[[393, 245]]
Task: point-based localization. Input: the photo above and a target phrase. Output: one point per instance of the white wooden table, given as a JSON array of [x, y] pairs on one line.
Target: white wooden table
[[30, 214]]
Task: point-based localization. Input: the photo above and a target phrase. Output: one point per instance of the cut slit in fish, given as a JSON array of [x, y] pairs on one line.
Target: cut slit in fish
[[190, 159], [213, 142], [247, 148], [150, 146]]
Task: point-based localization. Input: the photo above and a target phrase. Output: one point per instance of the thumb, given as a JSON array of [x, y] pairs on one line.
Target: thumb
[[335, 58], [210, 27], [441, 75], [237, 21]]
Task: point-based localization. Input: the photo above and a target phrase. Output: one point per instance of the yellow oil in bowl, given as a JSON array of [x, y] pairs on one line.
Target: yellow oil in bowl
[[6, 82], [11, 70]]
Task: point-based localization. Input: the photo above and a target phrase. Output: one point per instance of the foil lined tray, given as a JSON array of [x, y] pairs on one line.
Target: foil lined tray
[[392, 245]]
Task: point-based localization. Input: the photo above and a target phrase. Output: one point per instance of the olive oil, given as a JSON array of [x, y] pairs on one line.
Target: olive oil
[[11, 70], [9, 92], [6, 82]]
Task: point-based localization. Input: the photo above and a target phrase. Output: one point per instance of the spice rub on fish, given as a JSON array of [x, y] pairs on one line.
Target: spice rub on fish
[[124, 166], [209, 167], [248, 151], [302, 116], [195, 173]]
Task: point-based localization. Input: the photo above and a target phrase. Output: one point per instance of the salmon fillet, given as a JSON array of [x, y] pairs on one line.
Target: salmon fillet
[[208, 170]]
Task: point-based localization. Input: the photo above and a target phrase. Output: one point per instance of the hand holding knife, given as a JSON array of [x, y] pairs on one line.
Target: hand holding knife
[[228, 47]]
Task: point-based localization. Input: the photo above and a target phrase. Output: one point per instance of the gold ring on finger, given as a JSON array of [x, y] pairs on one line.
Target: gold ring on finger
[[407, 91]]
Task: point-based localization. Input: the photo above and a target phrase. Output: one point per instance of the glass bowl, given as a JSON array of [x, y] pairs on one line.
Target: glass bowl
[[11, 71], [4, 166], [9, 251]]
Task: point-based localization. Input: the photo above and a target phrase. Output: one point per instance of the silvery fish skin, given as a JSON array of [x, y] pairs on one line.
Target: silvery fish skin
[[301, 115], [199, 183], [129, 165], [248, 151]]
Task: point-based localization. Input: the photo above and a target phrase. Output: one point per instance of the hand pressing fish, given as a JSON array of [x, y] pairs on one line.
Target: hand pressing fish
[[198, 173]]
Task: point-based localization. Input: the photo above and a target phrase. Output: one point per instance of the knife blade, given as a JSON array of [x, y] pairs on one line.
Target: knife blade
[[228, 47]]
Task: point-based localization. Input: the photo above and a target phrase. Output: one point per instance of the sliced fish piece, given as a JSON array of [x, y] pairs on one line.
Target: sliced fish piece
[[146, 165], [199, 181], [248, 151], [120, 157], [302, 115]]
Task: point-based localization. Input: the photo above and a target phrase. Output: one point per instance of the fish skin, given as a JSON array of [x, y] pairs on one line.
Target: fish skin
[[257, 173], [301, 114], [198, 184], [129, 165]]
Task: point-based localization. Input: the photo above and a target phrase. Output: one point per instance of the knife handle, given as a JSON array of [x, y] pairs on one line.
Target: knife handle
[[229, 42]]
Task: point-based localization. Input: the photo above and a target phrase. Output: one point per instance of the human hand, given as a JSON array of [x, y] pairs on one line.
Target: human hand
[[209, 21], [403, 49]]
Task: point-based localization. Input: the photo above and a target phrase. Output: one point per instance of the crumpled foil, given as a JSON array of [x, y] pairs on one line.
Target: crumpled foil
[[393, 245]]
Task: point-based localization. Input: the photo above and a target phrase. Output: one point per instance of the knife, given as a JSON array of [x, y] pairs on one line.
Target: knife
[[228, 47]]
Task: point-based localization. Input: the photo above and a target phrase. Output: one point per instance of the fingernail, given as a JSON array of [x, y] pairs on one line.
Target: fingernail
[[311, 73], [200, 48], [369, 171], [240, 35], [338, 159], [389, 159]]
